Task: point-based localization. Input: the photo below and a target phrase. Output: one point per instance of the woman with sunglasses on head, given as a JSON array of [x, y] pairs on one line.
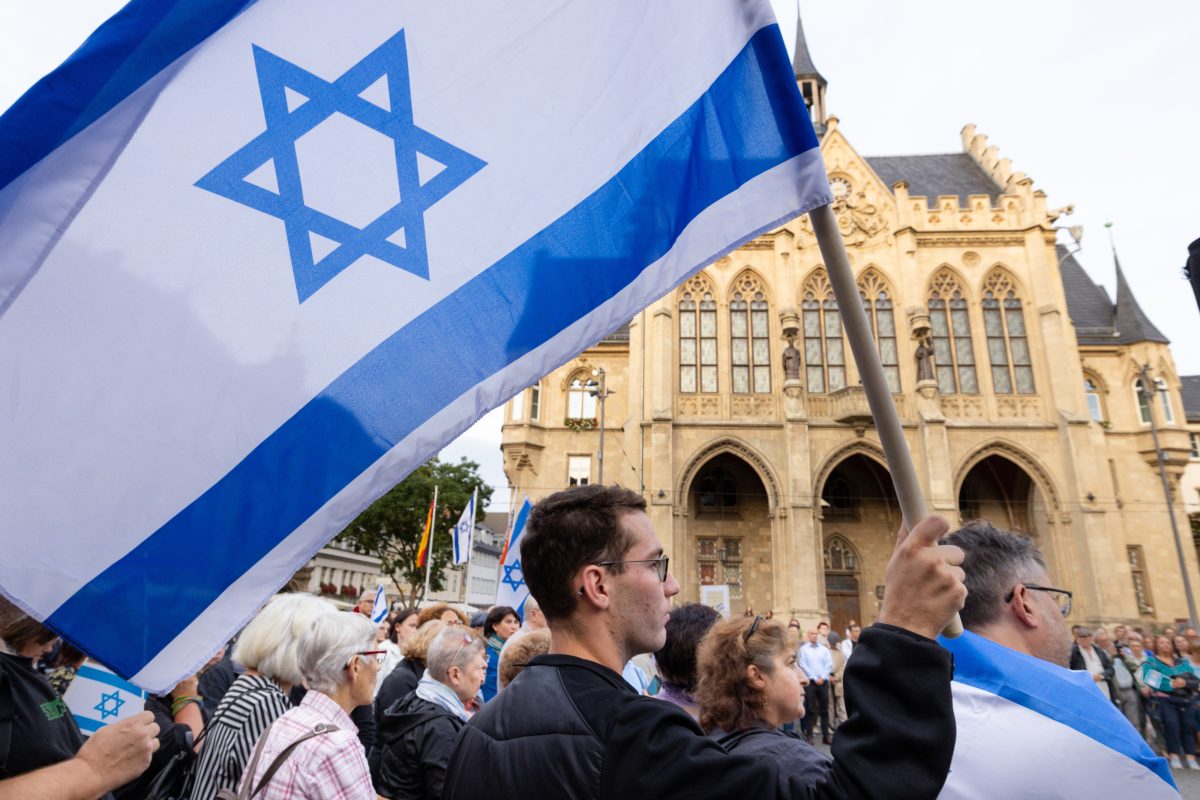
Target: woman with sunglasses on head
[[420, 730], [749, 686]]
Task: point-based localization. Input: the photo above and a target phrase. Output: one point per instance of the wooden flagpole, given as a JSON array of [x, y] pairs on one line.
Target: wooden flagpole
[[866, 356]]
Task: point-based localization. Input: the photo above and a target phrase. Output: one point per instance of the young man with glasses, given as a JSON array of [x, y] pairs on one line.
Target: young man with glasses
[[1027, 725], [569, 726]]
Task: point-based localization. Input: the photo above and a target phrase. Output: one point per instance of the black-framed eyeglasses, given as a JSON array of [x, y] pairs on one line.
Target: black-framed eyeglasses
[[1061, 596], [753, 627], [662, 562]]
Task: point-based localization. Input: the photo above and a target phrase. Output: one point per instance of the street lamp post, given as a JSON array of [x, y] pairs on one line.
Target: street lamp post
[[600, 392], [1162, 474]]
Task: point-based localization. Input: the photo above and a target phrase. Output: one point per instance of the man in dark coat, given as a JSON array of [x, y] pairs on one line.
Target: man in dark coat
[[569, 726]]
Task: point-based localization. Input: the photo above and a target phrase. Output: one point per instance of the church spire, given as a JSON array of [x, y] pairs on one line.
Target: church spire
[[810, 81], [1129, 321]]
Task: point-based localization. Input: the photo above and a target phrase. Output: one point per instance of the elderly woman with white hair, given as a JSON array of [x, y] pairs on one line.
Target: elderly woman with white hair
[[419, 731], [267, 650], [312, 751]]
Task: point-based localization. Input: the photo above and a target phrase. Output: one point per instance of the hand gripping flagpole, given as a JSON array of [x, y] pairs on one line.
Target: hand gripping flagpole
[[866, 356]]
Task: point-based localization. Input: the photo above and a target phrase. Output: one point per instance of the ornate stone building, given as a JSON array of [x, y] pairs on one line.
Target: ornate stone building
[[734, 405]]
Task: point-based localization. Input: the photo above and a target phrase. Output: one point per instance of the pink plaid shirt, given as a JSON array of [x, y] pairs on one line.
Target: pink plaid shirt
[[331, 766]]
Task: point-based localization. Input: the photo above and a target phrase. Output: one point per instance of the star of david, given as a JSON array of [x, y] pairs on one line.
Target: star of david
[[508, 579], [103, 708], [396, 236]]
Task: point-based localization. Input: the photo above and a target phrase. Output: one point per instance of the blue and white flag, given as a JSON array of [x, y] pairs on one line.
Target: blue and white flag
[[380, 609], [464, 531], [260, 260], [1029, 728], [97, 697], [511, 590]]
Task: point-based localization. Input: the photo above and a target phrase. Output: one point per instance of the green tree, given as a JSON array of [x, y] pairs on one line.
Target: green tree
[[391, 527]]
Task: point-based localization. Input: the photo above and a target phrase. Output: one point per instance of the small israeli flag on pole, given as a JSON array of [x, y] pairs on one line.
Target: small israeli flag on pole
[[463, 531], [98, 696], [380, 610]]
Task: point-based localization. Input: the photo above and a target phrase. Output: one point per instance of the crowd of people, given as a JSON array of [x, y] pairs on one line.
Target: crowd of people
[[1150, 675], [598, 686]]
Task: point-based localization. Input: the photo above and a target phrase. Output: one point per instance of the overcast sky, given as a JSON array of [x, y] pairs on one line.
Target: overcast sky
[[1096, 101]]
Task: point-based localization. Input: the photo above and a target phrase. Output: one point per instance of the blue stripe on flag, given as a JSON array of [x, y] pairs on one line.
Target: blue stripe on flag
[[88, 724], [716, 146], [133, 46], [100, 676], [1060, 694]]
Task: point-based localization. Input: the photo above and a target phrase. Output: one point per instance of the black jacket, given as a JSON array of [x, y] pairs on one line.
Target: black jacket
[[796, 757], [1077, 662], [416, 739], [566, 727], [396, 686]]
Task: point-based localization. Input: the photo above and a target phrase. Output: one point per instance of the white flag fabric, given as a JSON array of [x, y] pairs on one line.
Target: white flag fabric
[[1029, 728], [463, 532], [511, 590], [260, 260], [380, 609], [97, 697]]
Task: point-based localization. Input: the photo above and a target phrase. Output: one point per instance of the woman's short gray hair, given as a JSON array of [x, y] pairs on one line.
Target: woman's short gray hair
[[454, 645], [268, 643], [328, 645]]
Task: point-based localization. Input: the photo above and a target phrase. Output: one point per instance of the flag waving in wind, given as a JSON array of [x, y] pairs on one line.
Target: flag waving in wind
[[463, 531], [511, 591], [426, 535], [242, 243]]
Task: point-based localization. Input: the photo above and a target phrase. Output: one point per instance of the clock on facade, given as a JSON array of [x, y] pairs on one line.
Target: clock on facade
[[840, 187]]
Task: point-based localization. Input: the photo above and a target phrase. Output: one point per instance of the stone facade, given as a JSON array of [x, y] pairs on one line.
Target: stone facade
[[774, 482]]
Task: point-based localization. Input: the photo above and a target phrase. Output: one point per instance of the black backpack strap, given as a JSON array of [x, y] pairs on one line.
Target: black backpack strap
[[317, 730]]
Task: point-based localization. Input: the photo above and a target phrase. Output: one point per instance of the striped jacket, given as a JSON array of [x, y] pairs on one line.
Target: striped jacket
[[251, 704]]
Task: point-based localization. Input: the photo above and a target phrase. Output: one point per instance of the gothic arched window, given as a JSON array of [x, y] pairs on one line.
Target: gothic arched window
[[749, 340], [1008, 347], [1143, 401], [840, 555], [878, 304], [581, 399], [697, 337], [952, 347], [824, 352]]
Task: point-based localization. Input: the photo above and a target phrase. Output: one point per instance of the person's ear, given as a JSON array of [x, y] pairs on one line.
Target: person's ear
[[755, 677], [593, 587], [1021, 607]]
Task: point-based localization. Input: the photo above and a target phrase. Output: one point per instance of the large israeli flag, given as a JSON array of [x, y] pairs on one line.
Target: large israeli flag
[[1029, 728], [259, 260]]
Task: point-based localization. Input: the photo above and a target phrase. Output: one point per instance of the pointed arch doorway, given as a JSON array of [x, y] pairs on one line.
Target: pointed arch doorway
[[842, 591]]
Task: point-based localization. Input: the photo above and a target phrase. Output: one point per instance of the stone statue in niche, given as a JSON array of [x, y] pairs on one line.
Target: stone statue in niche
[[791, 361], [924, 356]]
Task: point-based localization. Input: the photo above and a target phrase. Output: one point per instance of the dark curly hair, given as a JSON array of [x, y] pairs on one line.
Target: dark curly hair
[[686, 626], [726, 700]]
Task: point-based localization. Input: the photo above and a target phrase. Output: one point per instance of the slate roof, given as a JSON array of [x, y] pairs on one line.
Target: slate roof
[[802, 63], [1131, 322], [1098, 320], [1191, 397], [941, 173]]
